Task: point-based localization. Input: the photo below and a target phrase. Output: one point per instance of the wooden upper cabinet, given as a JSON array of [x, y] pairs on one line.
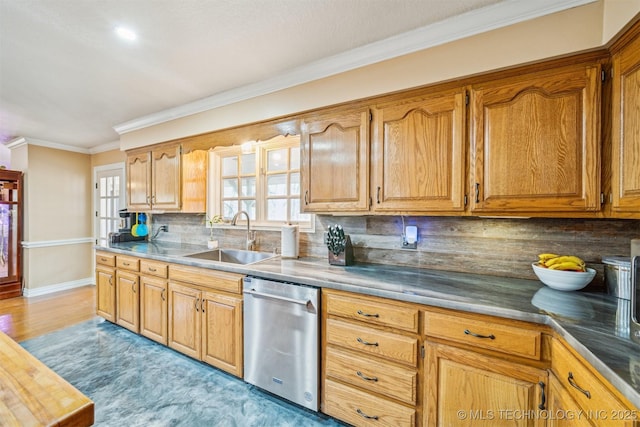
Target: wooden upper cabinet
[[139, 181], [334, 152], [626, 130], [194, 181], [153, 179], [418, 153], [535, 142]]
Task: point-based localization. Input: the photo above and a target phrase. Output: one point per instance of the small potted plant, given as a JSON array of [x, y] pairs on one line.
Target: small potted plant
[[216, 219], [339, 246]]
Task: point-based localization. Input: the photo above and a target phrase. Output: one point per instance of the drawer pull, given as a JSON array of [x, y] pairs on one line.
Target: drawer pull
[[363, 415], [362, 313], [468, 332], [126, 264], [366, 378], [103, 259], [361, 341], [152, 269], [573, 383], [543, 397]]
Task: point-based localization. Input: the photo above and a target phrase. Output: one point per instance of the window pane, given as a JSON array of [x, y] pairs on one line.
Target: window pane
[[295, 184], [229, 208], [249, 206], [230, 166], [249, 164], [248, 187], [230, 187], [103, 208], [116, 186], [277, 210], [103, 187], [295, 158], [277, 185], [277, 160]]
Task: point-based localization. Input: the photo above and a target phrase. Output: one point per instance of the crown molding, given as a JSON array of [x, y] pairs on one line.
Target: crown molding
[[21, 141], [475, 22], [109, 146]]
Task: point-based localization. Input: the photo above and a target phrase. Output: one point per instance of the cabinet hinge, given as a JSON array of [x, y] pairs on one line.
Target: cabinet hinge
[[422, 352], [466, 200], [603, 75], [602, 199], [370, 116], [370, 201], [466, 98]]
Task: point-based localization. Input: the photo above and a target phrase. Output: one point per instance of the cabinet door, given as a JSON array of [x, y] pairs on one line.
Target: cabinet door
[[153, 308], [184, 319], [139, 181], [463, 388], [105, 293], [626, 131], [128, 302], [535, 142], [194, 181], [165, 192], [334, 151], [222, 332], [566, 411], [418, 154]]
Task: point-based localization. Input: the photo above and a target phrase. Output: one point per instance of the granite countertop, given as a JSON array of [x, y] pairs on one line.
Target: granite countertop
[[595, 324]]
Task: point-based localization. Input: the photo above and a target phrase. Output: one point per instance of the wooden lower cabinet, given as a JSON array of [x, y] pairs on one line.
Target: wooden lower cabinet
[[565, 410], [206, 326], [106, 292], [153, 308], [465, 388], [127, 300]]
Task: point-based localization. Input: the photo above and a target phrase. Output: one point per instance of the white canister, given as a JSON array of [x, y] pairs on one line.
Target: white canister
[[289, 241]]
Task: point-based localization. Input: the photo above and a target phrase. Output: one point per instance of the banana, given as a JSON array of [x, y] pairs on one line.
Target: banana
[[545, 257], [567, 265], [564, 258]]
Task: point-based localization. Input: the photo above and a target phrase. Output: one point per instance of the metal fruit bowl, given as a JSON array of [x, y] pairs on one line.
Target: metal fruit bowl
[[564, 280]]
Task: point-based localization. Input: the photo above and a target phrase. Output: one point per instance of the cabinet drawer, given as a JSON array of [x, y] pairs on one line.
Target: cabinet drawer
[[104, 258], [484, 333], [213, 279], [372, 341], [354, 406], [128, 263], [372, 375], [372, 311], [154, 268], [594, 396]]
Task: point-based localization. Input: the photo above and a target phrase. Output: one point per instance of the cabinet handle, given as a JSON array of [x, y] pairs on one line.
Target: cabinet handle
[[362, 313], [366, 378], [306, 200], [133, 287], [152, 269], [103, 259], [477, 192], [162, 294], [363, 415], [378, 195], [573, 383], [126, 264], [543, 397], [468, 332], [361, 341], [111, 281]]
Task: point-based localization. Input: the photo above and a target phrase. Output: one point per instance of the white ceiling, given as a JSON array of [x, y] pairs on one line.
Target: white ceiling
[[67, 79]]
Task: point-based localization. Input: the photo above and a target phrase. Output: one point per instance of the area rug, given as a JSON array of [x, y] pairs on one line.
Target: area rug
[[134, 381]]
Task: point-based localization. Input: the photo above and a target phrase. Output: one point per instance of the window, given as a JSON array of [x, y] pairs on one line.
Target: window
[[262, 179], [109, 199]]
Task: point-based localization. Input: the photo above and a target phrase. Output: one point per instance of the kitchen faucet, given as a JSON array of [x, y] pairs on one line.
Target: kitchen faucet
[[251, 235]]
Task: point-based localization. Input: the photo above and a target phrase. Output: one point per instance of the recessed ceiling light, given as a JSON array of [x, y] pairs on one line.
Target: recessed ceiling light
[[125, 33]]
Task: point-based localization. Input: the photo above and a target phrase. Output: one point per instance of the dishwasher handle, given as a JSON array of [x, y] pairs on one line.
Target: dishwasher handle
[[306, 303]]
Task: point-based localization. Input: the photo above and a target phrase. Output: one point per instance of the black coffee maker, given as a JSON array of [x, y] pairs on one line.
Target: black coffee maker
[[127, 221]]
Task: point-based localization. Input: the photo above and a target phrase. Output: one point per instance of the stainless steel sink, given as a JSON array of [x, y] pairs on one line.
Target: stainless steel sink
[[233, 256]]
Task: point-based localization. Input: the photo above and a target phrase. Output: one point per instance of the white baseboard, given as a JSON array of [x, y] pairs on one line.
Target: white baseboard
[[43, 290]]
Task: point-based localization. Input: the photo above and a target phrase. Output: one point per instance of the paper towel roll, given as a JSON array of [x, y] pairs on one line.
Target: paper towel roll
[[289, 241]]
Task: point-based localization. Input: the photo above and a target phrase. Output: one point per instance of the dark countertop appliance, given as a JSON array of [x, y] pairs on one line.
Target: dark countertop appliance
[[127, 221]]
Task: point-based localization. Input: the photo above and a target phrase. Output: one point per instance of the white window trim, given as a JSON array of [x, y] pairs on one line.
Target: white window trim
[[123, 188], [214, 195]]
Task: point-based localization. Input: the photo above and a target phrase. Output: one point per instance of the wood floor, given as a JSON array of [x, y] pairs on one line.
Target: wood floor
[[24, 318]]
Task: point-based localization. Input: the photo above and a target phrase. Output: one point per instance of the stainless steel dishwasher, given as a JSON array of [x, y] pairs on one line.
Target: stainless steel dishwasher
[[281, 339]]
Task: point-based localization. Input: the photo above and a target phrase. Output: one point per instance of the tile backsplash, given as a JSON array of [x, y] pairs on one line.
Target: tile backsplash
[[493, 246]]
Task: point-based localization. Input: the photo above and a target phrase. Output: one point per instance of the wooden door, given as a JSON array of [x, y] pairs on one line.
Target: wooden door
[[535, 142], [105, 293], [194, 181], [222, 332], [566, 411], [418, 154], [153, 308], [626, 131], [334, 153], [128, 302], [464, 388], [165, 192], [184, 319], [139, 181]]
